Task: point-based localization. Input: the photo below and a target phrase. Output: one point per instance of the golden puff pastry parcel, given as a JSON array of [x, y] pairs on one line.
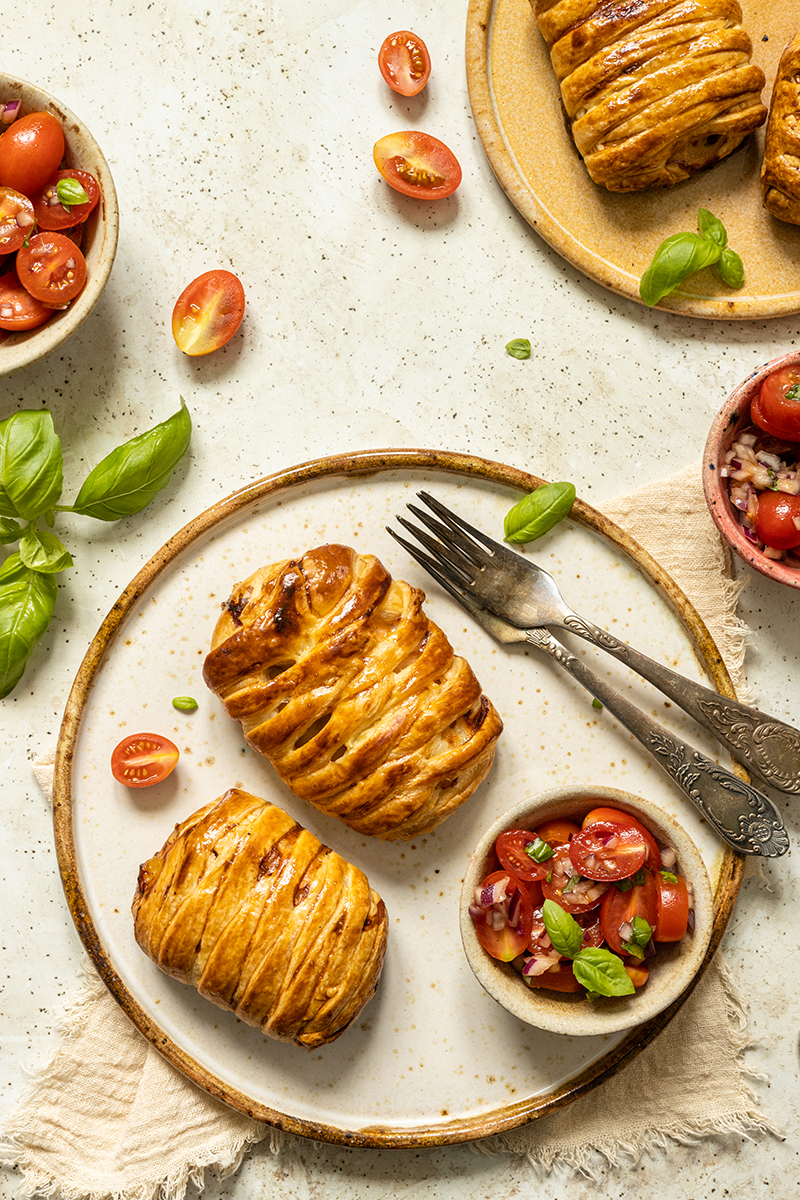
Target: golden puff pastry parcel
[[255, 912], [780, 172], [654, 90], [357, 699]]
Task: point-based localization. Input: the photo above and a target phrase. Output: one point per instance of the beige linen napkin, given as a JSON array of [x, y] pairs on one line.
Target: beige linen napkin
[[155, 1132]]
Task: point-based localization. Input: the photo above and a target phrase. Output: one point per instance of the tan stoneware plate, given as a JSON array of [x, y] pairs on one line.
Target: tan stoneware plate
[[101, 231], [612, 237], [672, 969], [432, 1059], [732, 419]]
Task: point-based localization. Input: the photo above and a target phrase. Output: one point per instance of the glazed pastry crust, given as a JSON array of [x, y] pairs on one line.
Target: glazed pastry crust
[[252, 910], [780, 172], [339, 678], [654, 90]]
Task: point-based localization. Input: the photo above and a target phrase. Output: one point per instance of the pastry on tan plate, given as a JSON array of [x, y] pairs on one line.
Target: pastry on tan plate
[[356, 697], [654, 90], [259, 916], [780, 172]]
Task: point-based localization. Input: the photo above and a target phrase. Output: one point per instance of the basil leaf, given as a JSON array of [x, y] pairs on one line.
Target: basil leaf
[[731, 269], [519, 348], [602, 972], [571, 884], [564, 931], [184, 703], [27, 600], [539, 851], [712, 228], [623, 885], [538, 512], [9, 530], [670, 876], [31, 467], [42, 551], [675, 260], [70, 191], [129, 477], [792, 393]]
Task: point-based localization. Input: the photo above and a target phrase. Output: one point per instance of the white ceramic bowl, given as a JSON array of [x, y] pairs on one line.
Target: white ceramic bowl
[[671, 971], [100, 235]]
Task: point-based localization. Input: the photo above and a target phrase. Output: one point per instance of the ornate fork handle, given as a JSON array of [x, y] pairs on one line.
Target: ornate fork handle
[[744, 817], [768, 747]]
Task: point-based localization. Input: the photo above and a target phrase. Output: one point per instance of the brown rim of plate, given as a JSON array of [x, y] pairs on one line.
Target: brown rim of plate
[[367, 463], [603, 247]]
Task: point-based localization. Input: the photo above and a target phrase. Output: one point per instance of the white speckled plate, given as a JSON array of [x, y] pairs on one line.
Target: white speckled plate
[[432, 1059], [612, 237]]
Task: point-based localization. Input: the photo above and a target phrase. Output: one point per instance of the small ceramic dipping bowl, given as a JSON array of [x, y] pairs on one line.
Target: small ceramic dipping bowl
[[731, 419], [672, 969], [99, 245]]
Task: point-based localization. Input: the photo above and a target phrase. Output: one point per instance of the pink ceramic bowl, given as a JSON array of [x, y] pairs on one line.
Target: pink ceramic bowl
[[731, 418]]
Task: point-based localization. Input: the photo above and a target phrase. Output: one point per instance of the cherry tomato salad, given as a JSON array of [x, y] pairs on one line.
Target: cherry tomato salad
[[43, 207], [582, 908], [763, 471]]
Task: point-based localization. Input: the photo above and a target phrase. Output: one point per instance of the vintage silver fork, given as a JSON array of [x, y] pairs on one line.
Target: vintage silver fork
[[516, 589], [741, 815]]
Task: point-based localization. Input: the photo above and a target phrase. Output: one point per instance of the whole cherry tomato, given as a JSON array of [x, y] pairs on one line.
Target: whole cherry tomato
[[417, 165], [404, 62], [776, 408], [208, 312], [30, 152], [778, 520]]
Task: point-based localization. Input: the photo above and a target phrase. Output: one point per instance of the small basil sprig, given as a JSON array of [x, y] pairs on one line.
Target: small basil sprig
[[539, 511], [539, 850], [70, 192], [600, 971], [31, 481], [681, 255]]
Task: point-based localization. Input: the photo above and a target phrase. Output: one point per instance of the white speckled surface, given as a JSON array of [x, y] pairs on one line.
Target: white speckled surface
[[242, 138]]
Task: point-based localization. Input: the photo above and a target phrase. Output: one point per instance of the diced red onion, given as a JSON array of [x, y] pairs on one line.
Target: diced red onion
[[9, 112], [668, 857]]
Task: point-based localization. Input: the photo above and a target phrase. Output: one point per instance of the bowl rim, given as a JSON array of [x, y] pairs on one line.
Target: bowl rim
[[572, 1015], [735, 412], [23, 349]]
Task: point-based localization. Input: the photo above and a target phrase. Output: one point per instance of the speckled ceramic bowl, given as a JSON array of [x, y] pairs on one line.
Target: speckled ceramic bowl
[[729, 421], [674, 966], [100, 235]]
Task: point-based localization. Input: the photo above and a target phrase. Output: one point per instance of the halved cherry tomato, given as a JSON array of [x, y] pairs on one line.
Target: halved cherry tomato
[[417, 164], [638, 972], [143, 759], [653, 860], [608, 851], [510, 849], [16, 219], [776, 408], [557, 831], [18, 309], [508, 941], [619, 908], [52, 214], [560, 874], [51, 268], [30, 151], [560, 978], [778, 520], [404, 62], [672, 909], [208, 312]]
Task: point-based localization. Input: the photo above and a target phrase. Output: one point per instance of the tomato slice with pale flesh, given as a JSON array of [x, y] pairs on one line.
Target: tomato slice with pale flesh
[[608, 851], [510, 848], [18, 308], [404, 62], [417, 165], [52, 214], [143, 759], [52, 268], [208, 312], [672, 909], [581, 896], [619, 908], [497, 934], [603, 813], [17, 219]]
